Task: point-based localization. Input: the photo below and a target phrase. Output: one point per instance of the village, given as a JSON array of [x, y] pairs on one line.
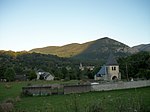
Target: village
[[74, 55], [107, 78]]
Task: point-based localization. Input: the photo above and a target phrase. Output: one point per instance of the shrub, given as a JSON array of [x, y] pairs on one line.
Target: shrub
[[9, 74], [7, 86], [17, 99], [6, 107], [132, 104], [29, 84], [73, 105], [9, 100], [95, 107]]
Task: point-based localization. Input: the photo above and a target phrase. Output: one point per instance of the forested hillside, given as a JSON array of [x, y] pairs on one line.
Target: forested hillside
[[24, 63], [97, 50], [100, 50], [135, 66], [63, 51]]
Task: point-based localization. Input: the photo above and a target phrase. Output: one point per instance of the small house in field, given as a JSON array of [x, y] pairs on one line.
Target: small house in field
[[109, 71], [44, 75]]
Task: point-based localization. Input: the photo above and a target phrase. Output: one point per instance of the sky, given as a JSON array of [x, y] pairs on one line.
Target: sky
[[28, 24]]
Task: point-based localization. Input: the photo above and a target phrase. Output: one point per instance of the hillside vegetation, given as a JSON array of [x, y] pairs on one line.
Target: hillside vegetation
[[142, 47], [24, 63], [63, 51], [94, 50], [94, 53]]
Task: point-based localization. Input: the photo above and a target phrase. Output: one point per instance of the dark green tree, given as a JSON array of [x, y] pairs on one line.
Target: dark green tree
[[135, 66], [9, 75], [144, 74], [90, 74], [65, 72], [73, 74], [2, 71], [32, 75], [79, 74], [58, 73]]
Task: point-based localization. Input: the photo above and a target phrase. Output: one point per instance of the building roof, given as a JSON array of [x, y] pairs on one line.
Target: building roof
[[101, 71], [40, 70], [111, 60], [45, 74]]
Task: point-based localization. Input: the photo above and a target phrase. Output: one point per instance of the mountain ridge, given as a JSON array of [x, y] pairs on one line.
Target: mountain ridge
[[63, 51], [92, 51], [142, 47]]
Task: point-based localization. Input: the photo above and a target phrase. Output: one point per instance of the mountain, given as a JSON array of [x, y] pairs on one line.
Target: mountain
[[143, 47], [63, 51], [93, 50], [100, 50]]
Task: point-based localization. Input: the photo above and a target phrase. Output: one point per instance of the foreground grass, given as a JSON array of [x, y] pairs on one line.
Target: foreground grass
[[109, 101]]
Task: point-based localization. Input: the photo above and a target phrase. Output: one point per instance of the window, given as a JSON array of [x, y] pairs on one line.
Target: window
[[113, 68]]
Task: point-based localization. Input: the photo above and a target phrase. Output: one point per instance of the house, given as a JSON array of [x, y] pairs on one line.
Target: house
[[44, 75], [91, 68], [82, 68], [109, 71]]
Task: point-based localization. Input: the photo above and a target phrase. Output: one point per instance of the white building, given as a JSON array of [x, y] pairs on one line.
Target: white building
[[110, 71], [44, 75]]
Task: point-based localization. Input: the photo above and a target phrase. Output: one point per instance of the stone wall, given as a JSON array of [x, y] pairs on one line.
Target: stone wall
[[48, 90], [77, 89], [38, 90], [42, 90], [120, 85]]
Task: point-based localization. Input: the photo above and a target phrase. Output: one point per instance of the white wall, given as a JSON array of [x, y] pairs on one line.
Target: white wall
[[120, 85]]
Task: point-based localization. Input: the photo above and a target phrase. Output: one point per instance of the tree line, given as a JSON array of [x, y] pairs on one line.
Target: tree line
[[24, 63], [135, 66]]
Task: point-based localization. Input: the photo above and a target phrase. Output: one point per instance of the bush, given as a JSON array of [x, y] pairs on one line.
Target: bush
[[132, 104], [6, 107], [10, 74], [95, 107], [73, 105], [7, 86], [9, 100], [17, 99]]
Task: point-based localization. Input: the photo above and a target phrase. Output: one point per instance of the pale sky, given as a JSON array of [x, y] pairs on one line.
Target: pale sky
[[28, 24]]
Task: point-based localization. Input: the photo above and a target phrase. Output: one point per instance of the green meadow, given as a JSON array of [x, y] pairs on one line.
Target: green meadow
[[128, 100]]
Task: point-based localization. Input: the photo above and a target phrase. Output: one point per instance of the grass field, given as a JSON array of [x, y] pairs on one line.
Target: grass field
[[109, 101]]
